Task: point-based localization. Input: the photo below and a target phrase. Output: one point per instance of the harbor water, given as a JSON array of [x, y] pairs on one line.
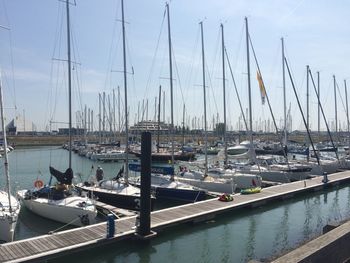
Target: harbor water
[[260, 233]]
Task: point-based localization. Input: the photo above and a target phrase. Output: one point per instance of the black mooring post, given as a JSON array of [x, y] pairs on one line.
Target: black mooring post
[[146, 162]]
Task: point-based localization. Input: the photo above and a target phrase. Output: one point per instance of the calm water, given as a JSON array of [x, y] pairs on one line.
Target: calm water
[[260, 233]]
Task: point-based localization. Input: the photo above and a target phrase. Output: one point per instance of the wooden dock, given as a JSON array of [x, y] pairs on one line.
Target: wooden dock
[[79, 239], [106, 209]]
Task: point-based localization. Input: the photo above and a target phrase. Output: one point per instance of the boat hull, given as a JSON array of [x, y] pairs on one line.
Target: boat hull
[[72, 210], [211, 186], [112, 197], [8, 220], [179, 194]]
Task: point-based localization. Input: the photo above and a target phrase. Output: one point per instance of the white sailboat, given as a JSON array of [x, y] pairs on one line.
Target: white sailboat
[[9, 205], [200, 178], [61, 202]]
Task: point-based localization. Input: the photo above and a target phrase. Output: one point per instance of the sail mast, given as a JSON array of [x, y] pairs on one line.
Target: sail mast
[[224, 89], [69, 87], [318, 108], [205, 106], [249, 89], [335, 105], [307, 106], [6, 164], [284, 94], [347, 110], [307, 99], [158, 126], [126, 101], [171, 91]]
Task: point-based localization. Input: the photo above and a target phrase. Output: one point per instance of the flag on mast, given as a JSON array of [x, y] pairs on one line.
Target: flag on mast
[[262, 87]]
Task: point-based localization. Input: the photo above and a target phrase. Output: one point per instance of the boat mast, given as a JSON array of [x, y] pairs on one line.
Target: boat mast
[[335, 105], [318, 108], [347, 110], [183, 125], [307, 98], [171, 92], [160, 99], [324, 117], [307, 105], [99, 119], [126, 101], [114, 128], [302, 114], [224, 89], [6, 164], [249, 90], [119, 121], [205, 106], [284, 95], [69, 87]]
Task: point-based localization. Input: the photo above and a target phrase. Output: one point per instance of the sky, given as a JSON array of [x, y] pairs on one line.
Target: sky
[[34, 70]]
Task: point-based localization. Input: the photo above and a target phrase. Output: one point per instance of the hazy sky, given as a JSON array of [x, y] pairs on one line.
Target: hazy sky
[[316, 33]]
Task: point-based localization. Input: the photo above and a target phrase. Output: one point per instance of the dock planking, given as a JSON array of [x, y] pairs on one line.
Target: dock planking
[[74, 240]]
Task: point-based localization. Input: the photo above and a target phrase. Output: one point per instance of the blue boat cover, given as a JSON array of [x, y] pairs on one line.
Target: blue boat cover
[[154, 169]]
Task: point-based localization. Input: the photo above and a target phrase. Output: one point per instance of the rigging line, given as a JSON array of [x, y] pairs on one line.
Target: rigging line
[[292, 73], [54, 97], [324, 117], [129, 53], [235, 86], [177, 73], [11, 55], [239, 47], [110, 52], [301, 111], [341, 98], [59, 21], [193, 59], [155, 54], [209, 75], [275, 72], [268, 102], [329, 89], [76, 57]]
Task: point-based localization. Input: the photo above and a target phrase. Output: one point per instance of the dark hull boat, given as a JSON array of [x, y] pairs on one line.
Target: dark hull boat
[[186, 195], [115, 193], [165, 188]]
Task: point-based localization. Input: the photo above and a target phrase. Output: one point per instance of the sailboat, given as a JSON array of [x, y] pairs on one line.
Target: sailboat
[[163, 182], [61, 202], [10, 206], [117, 191], [202, 178]]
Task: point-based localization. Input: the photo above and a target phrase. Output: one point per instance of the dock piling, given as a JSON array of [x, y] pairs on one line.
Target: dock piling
[[146, 162], [110, 226]]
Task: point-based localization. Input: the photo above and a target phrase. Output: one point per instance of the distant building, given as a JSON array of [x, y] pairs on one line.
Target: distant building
[[150, 126], [20, 126]]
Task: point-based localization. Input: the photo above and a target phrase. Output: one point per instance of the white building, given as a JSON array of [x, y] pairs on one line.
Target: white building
[[20, 125]]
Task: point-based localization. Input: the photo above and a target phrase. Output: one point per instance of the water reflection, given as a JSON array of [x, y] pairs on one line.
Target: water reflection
[[225, 244], [317, 205], [308, 218], [281, 238], [335, 209], [250, 244]]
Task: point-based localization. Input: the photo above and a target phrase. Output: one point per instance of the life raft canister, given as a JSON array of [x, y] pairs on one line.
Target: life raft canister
[[38, 184]]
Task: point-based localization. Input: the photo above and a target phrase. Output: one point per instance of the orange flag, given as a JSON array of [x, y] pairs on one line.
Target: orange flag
[[262, 87]]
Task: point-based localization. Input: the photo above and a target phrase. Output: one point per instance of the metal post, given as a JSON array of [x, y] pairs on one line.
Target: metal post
[[110, 226], [146, 162]]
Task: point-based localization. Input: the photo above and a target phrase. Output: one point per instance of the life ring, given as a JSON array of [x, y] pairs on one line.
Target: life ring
[[38, 183]]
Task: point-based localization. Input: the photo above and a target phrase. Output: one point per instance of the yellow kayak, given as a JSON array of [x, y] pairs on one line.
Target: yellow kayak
[[252, 190]]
